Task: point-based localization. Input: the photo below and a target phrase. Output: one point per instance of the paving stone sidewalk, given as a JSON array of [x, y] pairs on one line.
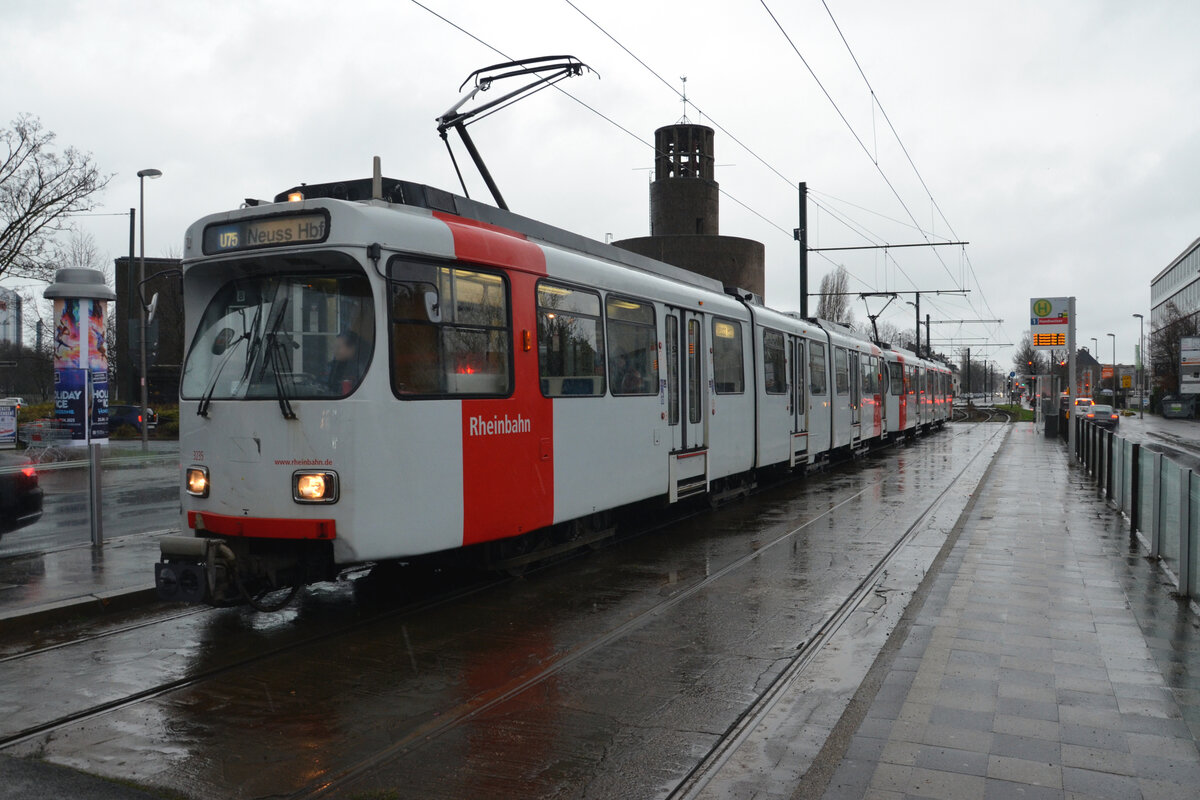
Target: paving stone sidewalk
[[1049, 659]]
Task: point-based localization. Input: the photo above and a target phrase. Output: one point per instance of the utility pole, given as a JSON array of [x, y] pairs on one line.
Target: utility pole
[[968, 374], [918, 325], [801, 235]]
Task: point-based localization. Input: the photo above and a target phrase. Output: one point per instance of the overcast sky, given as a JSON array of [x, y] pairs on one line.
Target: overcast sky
[[1059, 138]]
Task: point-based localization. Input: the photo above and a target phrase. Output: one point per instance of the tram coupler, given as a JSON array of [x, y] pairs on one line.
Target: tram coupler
[[194, 569]]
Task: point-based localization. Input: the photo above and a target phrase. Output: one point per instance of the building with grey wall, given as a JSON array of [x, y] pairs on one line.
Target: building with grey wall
[[164, 336], [685, 214]]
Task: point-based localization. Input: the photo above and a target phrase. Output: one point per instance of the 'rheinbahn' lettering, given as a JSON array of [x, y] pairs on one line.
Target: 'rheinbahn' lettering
[[497, 426]]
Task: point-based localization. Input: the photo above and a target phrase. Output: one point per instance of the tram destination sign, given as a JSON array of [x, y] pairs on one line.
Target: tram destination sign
[[274, 231], [1049, 322]]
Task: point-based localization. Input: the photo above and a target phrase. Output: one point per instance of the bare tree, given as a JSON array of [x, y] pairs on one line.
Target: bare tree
[[834, 304], [1027, 361], [1165, 346], [39, 188]]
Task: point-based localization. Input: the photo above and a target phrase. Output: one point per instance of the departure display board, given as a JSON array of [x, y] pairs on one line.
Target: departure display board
[[1049, 322], [1049, 340], [274, 231]]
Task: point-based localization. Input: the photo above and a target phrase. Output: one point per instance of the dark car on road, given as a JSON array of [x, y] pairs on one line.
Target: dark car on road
[[132, 416], [20, 495], [1104, 416]]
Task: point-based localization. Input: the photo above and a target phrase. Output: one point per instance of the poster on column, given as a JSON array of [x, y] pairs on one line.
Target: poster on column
[[80, 405], [98, 367]]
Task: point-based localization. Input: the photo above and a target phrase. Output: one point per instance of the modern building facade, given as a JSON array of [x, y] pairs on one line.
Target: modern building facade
[[1179, 284]]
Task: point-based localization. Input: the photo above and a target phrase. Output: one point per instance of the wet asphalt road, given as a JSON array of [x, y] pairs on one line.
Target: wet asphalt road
[[136, 498], [610, 675]]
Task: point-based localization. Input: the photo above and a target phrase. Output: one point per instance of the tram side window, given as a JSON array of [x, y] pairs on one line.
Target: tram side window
[[896, 371], [841, 371], [450, 331], [632, 347], [870, 375], [570, 342], [816, 369], [774, 363], [728, 369], [865, 369], [911, 374]]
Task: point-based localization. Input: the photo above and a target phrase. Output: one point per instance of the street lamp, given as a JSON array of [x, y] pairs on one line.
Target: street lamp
[[1141, 367], [142, 175], [1114, 368]]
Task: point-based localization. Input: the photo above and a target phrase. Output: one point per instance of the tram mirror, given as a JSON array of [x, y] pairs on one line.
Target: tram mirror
[[222, 341], [151, 308], [432, 311]]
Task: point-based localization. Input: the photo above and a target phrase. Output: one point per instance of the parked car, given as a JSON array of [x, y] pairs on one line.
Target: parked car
[[20, 495], [132, 416], [17, 401], [1104, 416]]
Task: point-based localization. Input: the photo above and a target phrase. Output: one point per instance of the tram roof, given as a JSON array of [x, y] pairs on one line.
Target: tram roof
[[418, 195]]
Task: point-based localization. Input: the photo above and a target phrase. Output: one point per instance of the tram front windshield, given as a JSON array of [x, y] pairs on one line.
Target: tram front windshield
[[273, 333]]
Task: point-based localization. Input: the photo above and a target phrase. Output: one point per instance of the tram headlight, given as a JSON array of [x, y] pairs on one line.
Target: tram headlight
[[197, 481], [315, 487]]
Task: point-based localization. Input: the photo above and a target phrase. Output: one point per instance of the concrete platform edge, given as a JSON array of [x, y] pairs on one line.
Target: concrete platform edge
[[90, 605], [816, 780]]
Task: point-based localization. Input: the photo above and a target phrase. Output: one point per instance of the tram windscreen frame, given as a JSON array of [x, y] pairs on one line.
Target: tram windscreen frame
[[283, 327]]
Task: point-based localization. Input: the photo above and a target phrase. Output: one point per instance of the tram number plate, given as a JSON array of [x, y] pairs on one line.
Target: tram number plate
[[268, 232]]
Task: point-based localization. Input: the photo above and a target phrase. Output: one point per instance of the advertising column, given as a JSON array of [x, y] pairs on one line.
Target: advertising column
[[81, 370], [81, 354]]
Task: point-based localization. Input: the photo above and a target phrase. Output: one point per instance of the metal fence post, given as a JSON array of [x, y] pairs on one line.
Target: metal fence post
[[1185, 531], [1091, 429], [1102, 476], [1118, 493], [95, 512], [1156, 509], [1087, 449], [1109, 460], [1135, 486], [1091, 436]]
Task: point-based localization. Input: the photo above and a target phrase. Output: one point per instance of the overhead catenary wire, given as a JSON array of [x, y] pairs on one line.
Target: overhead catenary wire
[[853, 132], [876, 103], [904, 149], [856, 228], [598, 113], [859, 230]]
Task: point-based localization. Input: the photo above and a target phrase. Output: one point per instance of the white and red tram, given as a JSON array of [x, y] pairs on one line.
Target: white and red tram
[[373, 379]]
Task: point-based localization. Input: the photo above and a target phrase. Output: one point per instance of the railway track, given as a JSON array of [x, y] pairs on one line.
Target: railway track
[[451, 719], [12, 738], [448, 720]]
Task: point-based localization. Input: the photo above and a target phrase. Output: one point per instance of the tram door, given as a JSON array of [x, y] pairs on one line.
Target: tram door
[[687, 398], [799, 403], [855, 398]]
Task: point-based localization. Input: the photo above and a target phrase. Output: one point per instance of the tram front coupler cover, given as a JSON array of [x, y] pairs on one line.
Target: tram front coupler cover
[[194, 570]]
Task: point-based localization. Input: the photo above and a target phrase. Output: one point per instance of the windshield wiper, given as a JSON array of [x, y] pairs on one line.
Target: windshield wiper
[[206, 398], [274, 358]]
